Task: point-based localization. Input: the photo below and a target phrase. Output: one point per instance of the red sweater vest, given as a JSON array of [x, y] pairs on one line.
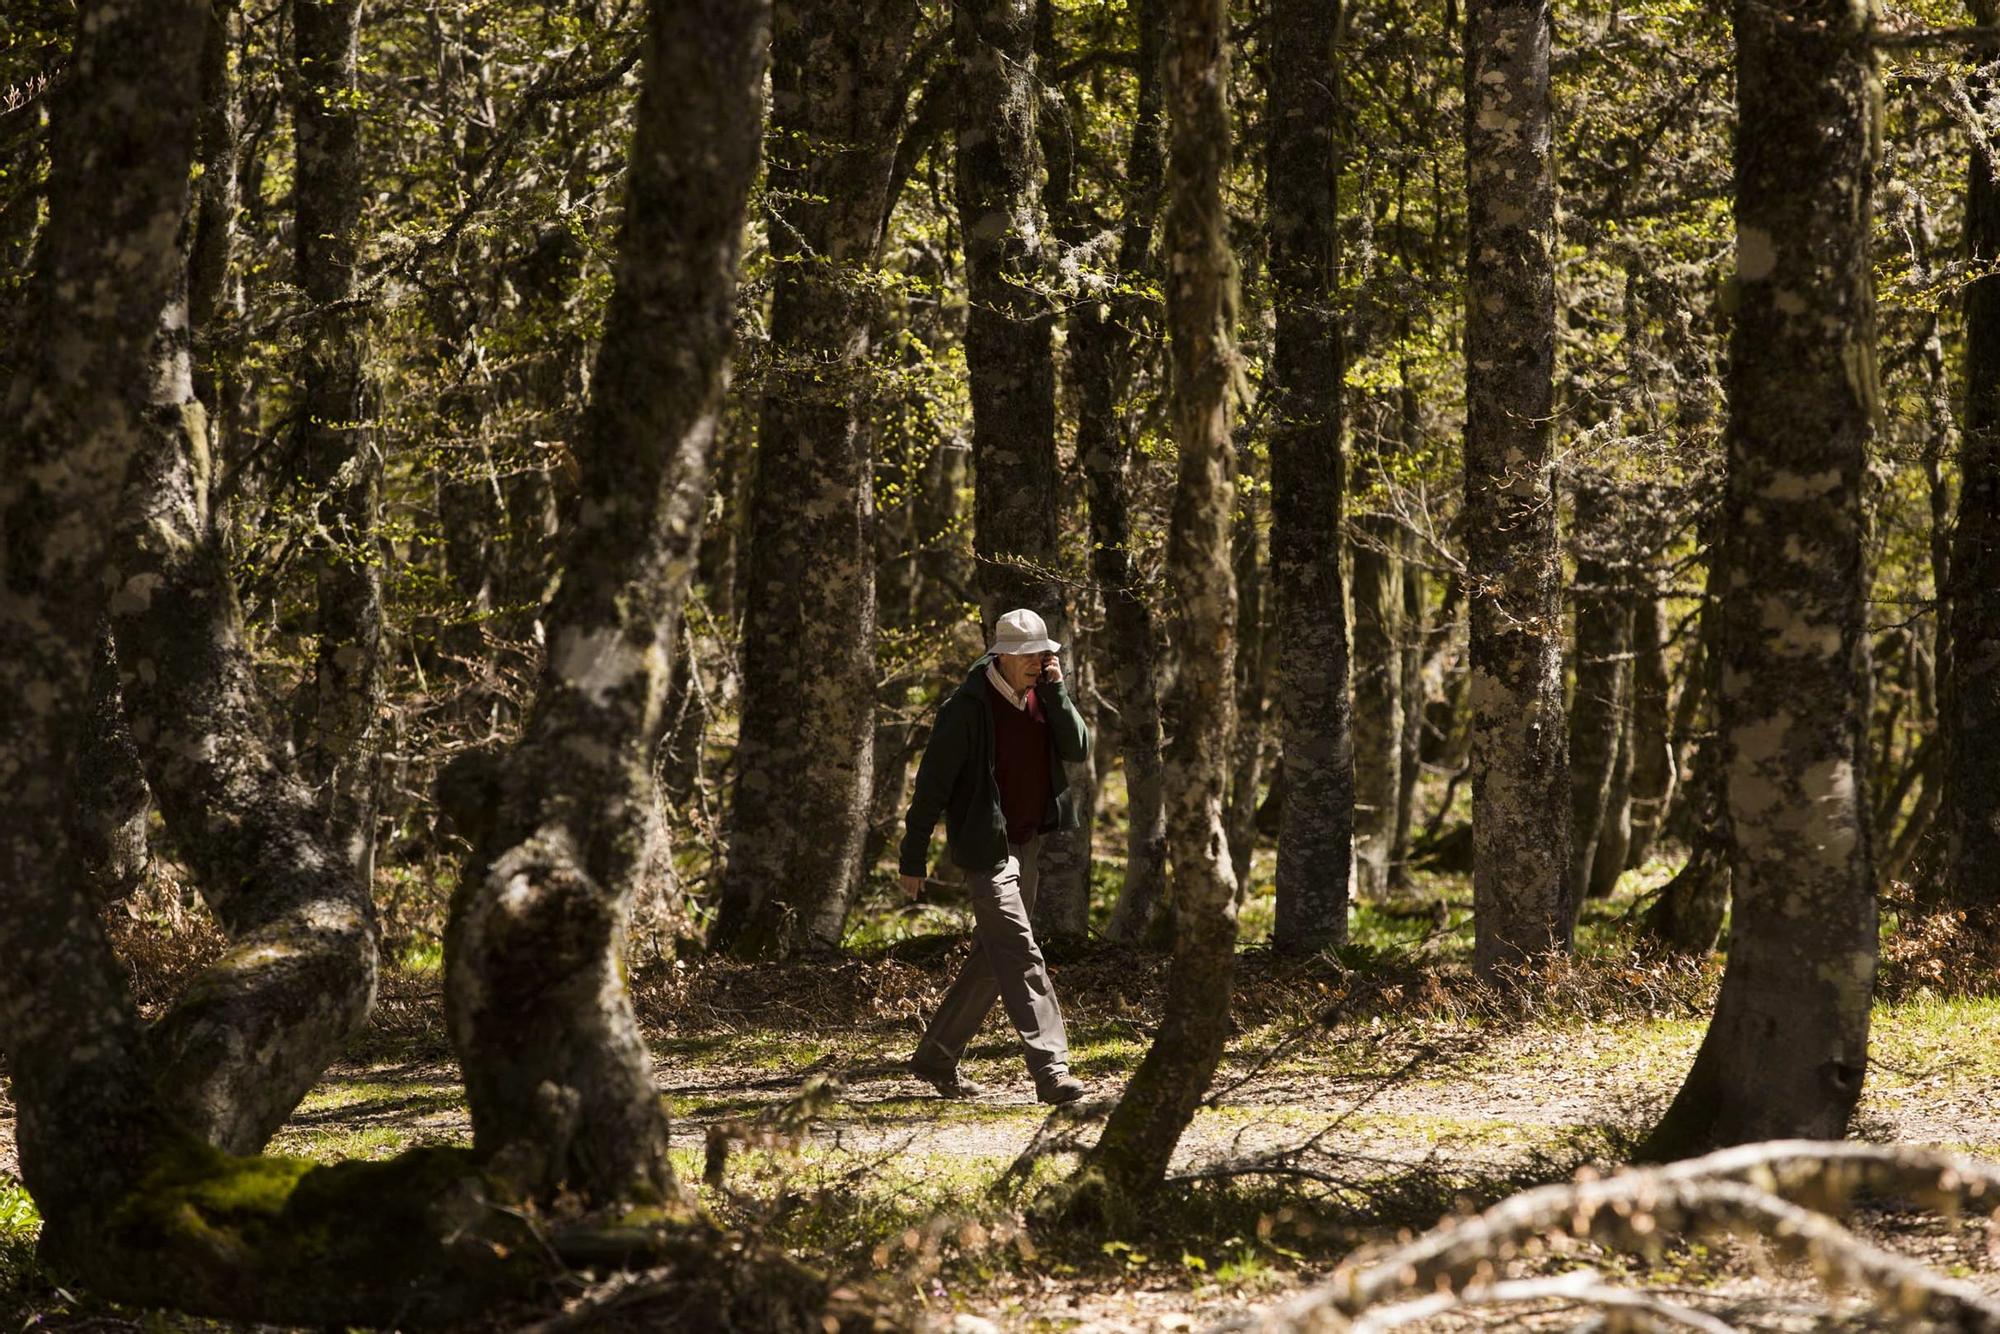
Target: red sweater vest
[[1020, 763]]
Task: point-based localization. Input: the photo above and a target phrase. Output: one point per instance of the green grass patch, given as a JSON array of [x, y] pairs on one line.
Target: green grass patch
[[20, 1227]]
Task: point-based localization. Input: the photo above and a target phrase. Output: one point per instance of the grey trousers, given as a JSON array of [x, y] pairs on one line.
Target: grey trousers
[[1006, 963]]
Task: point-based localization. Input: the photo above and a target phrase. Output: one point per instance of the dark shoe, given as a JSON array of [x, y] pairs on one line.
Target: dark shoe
[[1059, 1090], [948, 1083]]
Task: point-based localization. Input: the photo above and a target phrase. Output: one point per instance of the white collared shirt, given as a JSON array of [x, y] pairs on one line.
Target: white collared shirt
[[1019, 701]]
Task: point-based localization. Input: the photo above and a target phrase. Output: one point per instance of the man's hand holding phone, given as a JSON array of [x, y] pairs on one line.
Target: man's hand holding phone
[[1051, 668]]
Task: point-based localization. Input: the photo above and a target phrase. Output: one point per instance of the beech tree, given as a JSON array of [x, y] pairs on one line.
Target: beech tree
[[1522, 907], [1101, 354], [1316, 825], [1971, 724], [122, 140], [1132, 1154], [1787, 1049], [556, 1071], [841, 77], [338, 460], [131, 1200]]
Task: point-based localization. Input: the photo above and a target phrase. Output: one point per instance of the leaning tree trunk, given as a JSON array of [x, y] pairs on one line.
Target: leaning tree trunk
[[121, 146], [255, 1031], [1139, 1138], [557, 1073], [1603, 642], [338, 461], [1522, 906], [1785, 1054], [1100, 359], [1971, 699], [1316, 824], [805, 749]]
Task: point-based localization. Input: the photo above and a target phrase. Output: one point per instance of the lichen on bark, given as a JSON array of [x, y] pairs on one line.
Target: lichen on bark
[[557, 1073], [841, 76], [1522, 908], [1787, 1049], [1132, 1154]]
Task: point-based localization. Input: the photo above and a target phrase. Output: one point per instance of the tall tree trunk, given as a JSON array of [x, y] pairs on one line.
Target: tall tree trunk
[[1316, 826], [1008, 326], [1603, 642], [1062, 904], [1522, 905], [557, 1073], [339, 461], [805, 753], [1971, 713], [1100, 358], [122, 143], [1785, 1054], [1008, 321], [1654, 769], [1139, 1138]]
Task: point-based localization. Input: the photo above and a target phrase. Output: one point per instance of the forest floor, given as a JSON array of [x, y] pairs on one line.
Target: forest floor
[[1362, 1097]]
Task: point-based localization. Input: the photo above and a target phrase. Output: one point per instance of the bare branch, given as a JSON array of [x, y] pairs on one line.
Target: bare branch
[[1784, 1189]]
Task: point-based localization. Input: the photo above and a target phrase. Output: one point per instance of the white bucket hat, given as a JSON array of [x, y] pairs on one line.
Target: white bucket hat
[[1021, 631]]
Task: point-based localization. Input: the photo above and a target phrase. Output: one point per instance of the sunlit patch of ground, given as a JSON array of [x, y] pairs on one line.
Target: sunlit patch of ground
[[1360, 1096]]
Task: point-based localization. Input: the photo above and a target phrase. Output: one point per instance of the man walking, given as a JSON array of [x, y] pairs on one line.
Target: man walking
[[994, 769]]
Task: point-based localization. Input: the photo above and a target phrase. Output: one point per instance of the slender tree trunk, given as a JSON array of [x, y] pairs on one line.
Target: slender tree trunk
[[557, 1073], [1687, 916], [1139, 1138], [1653, 766], [340, 463], [216, 199], [1412, 651], [1971, 718], [1785, 1054], [1614, 831], [1316, 829], [1246, 760], [1522, 905], [1062, 904], [805, 750], [1378, 684], [1100, 357], [122, 143], [1603, 642]]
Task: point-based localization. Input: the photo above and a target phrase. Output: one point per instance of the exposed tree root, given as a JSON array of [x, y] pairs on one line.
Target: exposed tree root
[[427, 1239]]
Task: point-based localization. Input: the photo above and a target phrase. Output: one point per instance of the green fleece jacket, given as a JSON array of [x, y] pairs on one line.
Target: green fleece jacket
[[956, 776]]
